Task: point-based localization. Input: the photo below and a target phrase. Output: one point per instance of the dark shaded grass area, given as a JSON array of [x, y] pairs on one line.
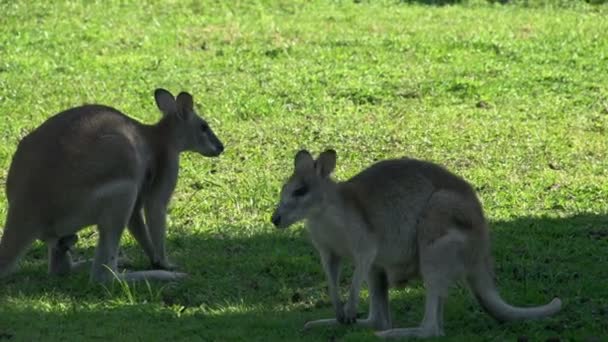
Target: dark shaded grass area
[[275, 281]]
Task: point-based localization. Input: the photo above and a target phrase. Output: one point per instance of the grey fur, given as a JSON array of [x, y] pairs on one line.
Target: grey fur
[[397, 220], [93, 165]]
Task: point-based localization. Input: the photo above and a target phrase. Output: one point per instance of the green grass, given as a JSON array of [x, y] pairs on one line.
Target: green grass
[[512, 97]]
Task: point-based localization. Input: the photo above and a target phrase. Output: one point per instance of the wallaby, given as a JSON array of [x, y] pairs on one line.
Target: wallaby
[[397, 220], [93, 165]]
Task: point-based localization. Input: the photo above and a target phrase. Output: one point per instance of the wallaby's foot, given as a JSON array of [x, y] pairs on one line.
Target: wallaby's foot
[[85, 264], [160, 275], [320, 323], [155, 275], [333, 321], [164, 265], [419, 332]]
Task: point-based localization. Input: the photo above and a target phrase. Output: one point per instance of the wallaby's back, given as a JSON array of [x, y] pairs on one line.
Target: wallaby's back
[[70, 153], [395, 192]]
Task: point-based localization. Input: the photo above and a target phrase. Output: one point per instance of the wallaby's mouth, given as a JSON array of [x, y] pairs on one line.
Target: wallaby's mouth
[[278, 221], [215, 151], [219, 148]]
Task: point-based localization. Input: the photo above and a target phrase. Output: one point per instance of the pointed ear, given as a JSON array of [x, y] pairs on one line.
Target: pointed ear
[[185, 105], [165, 101], [326, 163], [303, 160]]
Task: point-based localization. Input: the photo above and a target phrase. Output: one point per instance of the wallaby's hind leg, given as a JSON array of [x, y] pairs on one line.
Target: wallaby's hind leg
[[110, 227], [60, 258], [441, 264], [379, 309], [16, 239], [61, 261], [118, 206], [105, 260]]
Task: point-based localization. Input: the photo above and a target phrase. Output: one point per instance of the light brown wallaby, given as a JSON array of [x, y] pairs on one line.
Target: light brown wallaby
[[397, 220], [93, 165]]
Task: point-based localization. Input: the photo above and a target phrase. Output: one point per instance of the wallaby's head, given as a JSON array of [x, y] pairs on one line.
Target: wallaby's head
[[194, 134], [304, 192]]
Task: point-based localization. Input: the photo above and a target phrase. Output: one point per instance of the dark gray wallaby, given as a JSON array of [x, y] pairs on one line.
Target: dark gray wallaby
[[93, 165]]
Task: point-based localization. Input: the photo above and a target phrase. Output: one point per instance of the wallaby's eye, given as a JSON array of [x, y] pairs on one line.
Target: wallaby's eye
[[204, 128], [301, 191]]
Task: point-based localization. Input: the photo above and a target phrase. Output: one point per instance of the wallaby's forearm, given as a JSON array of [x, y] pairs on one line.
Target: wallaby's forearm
[[156, 203], [156, 219], [363, 264], [140, 232], [331, 266]]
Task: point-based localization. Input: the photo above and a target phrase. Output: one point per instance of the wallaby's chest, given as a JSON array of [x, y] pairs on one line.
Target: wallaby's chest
[[160, 178], [330, 234]]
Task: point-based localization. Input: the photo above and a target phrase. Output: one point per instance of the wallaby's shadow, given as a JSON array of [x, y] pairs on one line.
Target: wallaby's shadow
[[432, 2], [275, 277]]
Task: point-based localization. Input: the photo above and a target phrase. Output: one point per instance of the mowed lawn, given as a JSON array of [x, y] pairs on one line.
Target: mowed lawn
[[512, 97]]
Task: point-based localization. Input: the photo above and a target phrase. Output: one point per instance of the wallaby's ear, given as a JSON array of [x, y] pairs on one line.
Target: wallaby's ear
[[165, 101], [185, 105], [326, 163], [303, 160]]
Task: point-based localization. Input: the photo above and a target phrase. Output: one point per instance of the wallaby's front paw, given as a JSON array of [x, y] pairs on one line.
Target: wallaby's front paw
[[163, 265]]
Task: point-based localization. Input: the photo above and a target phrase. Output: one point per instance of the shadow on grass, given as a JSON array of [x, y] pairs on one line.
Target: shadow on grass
[[146, 322], [432, 2], [272, 281]]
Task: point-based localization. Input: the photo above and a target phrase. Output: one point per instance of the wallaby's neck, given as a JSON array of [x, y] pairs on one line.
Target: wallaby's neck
[[163, 137], [334, 193], [333, 201]]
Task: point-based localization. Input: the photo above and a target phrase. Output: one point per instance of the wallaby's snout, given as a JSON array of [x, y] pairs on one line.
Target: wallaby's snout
[[286, 214], [283, 215], [210, 145], [217, 146], [220, 148], [206, 142]]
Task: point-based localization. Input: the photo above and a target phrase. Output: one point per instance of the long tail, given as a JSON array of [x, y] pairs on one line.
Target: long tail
[[484, 288]]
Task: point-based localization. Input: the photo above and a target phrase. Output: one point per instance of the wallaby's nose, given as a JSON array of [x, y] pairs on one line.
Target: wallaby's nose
[[220, 148], [276, 219]]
